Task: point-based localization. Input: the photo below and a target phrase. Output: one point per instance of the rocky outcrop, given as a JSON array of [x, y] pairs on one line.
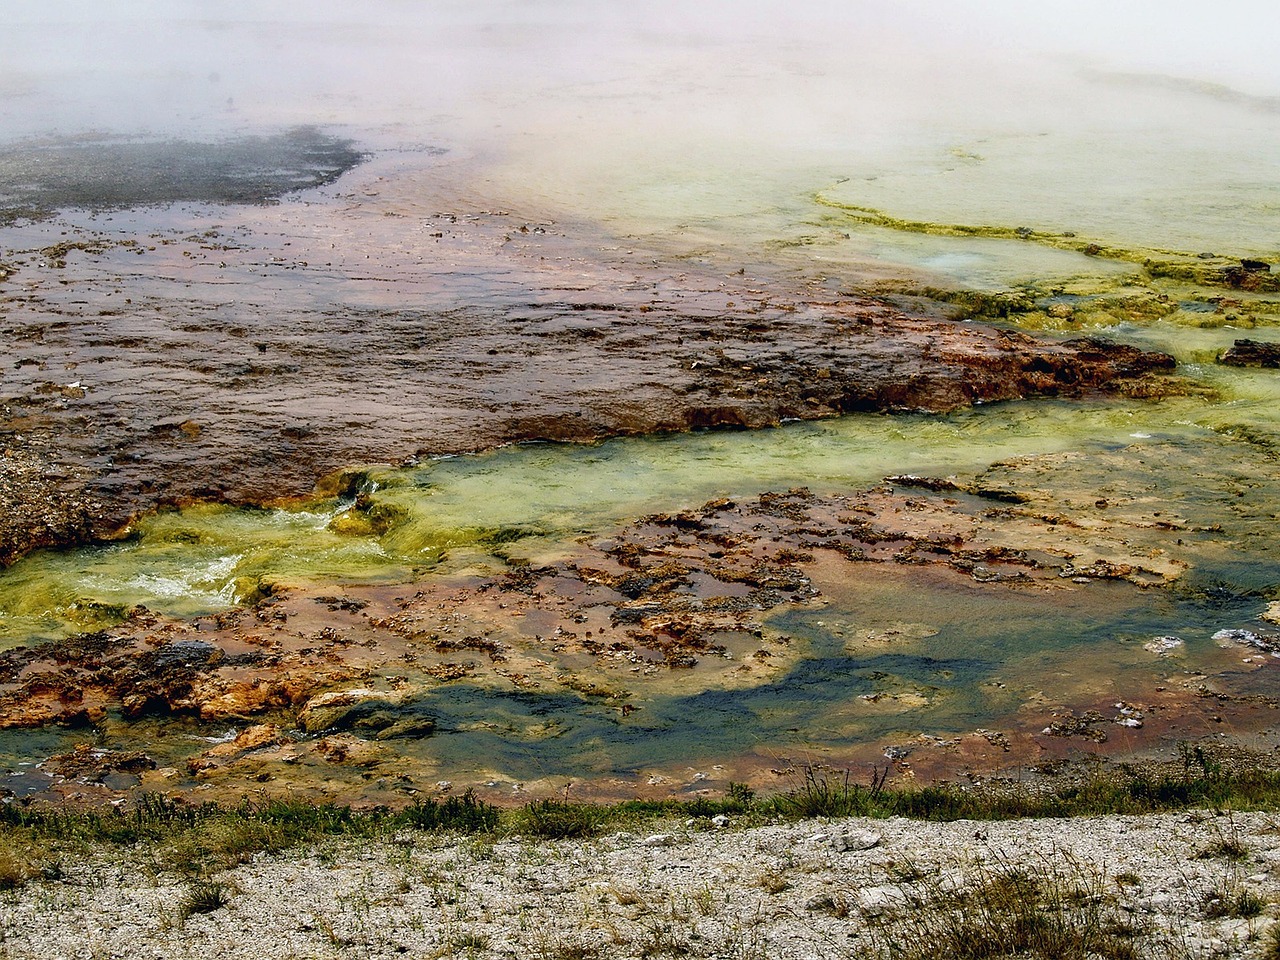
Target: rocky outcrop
[[1251, 353], [140, 671], [196, 403]]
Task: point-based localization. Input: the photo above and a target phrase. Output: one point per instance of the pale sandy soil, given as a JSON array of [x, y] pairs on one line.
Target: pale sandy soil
[[843, 888]]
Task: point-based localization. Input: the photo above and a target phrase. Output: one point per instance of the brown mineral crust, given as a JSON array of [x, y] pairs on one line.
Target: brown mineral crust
[[171, 669], [666, 605], [1251, 353], [667, 591], [55, 497], [43, 503], [152, 366], [84, 762]]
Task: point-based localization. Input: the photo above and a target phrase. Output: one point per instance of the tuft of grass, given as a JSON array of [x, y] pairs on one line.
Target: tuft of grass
[[1007, 912], [464, 814], [772, 881], [219, 843], [663, 938], [1224, 848], [705, 900], [1271, 943], [824, 793], [739, 794], [559, 820], [469, 941], [1227, 846], [906, 872], [566, 947], [18, 864], [204, 896], [626, 896], [1231, 899]]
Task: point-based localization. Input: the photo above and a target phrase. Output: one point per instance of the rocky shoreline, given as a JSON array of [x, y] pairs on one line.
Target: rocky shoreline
[[1197, 884], [352, 694]]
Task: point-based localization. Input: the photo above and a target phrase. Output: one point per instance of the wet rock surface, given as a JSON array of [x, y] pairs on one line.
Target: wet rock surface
[[40, 177], [95, 765], [44, 501], [240, 353], [355, 695], [1251, 353]]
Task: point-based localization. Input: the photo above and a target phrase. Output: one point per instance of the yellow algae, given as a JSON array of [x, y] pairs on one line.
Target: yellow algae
[[1163, 285], [531, 503]]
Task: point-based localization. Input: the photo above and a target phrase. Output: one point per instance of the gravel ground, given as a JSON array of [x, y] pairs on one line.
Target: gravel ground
[[1176, 885]]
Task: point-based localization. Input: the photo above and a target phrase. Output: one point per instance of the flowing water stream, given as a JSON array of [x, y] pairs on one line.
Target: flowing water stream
[[443, 513]]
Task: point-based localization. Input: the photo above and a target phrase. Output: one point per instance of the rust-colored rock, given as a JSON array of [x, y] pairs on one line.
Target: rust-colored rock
[[87, 763], [247, 388], [251, 738], [1251, 353]]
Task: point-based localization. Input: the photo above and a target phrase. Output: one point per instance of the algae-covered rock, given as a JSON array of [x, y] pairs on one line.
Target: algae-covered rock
[[349, 750], [367, 517], [367, 712], [326, 710]]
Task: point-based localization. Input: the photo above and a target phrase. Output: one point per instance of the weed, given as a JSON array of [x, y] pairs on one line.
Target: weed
[[1227, 845], [566, 947], [1224, 848], [204, 896], [224, 843], [1011, 912], [835, 906], [704, 900], [465, 814], [560, 820], [908, 872], [1198, 763], [1231, 899], [663, 939], [739, 793], [469, 941], [626, 896], [1271, 943], [16, 867], [827, 794], [773, 882], [749, 946], [327, 929]]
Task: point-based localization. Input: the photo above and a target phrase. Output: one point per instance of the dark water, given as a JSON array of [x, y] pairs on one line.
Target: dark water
[[39, 177]]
